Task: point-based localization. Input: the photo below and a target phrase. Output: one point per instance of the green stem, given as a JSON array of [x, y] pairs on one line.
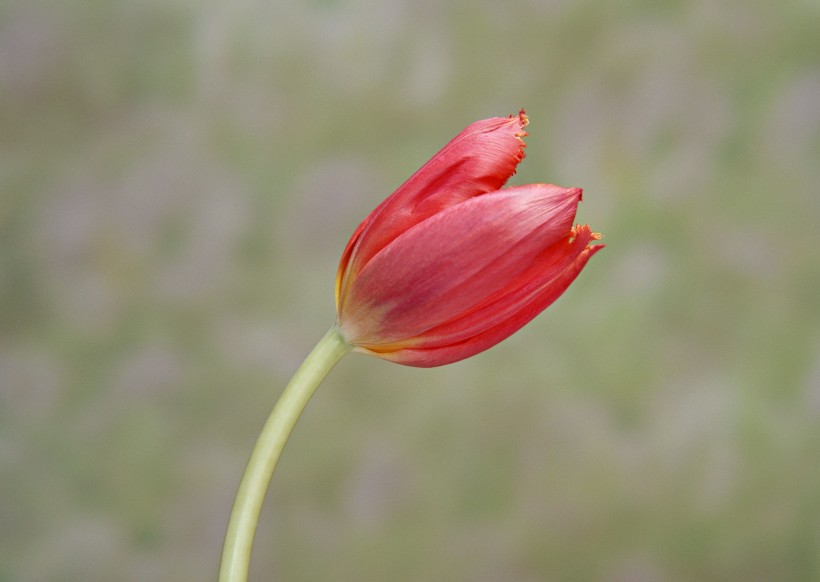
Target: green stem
[[236, 554]]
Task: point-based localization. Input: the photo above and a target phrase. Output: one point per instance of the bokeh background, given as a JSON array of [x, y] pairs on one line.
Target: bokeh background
[[179, 178]]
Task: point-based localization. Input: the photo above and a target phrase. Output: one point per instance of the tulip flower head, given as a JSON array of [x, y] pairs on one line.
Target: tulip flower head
[[452, 263]]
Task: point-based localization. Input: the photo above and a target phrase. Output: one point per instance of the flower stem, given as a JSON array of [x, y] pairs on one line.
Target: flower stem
[[236, 553]]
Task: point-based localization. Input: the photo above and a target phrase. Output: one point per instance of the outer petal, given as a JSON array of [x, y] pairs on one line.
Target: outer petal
[[478, 160], [447, 266], [437, 352], [549, 266]]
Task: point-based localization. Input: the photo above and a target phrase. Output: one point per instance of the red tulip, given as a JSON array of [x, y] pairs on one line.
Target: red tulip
[[450, 264]]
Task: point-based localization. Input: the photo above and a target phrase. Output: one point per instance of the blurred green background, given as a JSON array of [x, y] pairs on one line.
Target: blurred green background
[[179, 178]]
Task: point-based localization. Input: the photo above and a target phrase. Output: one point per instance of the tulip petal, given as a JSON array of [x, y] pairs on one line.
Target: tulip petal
[[443, 350], [478, 160], [450, 264], [548, 267]]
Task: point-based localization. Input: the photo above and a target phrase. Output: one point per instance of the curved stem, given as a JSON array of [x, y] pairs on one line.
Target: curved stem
[[236, 553]]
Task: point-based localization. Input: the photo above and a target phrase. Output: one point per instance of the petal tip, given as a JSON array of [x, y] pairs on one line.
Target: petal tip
[[523, 122], [584, 231]]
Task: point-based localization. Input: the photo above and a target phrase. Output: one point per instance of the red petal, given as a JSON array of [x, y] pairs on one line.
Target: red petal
[[478, 160], [446, 353], [447, 266], [549, 267]]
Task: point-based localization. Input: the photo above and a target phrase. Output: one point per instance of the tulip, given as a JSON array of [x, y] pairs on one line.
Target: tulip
[[451, 264], [446, 267]]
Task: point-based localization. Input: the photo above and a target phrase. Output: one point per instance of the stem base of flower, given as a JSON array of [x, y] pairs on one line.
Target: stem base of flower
[[236, 552]]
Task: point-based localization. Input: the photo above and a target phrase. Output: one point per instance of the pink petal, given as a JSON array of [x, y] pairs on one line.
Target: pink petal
[[448, 265], [446, 353], [478, 160], [550, 266]]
